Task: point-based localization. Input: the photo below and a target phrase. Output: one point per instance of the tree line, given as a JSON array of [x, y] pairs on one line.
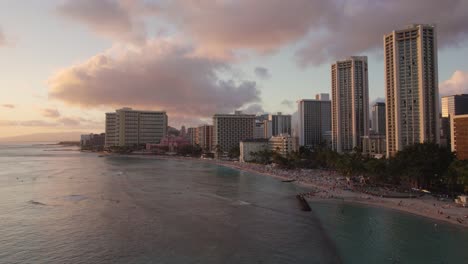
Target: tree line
[[423, 165]]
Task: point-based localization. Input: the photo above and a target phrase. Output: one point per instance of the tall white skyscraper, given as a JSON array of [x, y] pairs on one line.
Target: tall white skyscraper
[[411, 84], [314, 122], [128, 127], [350, 103]]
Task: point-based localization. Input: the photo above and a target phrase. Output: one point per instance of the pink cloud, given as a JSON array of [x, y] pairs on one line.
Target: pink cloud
[[160, 75], [457, 84]]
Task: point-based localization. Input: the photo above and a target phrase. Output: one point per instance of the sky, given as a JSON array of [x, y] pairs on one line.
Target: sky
[[64, 63]]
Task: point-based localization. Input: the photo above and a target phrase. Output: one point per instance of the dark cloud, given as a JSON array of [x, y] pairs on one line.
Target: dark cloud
[[457, 84], [360, 26], [262, 73], [161, 75], [11, 106], [323, 30], [51, 113], [110, 18], [327, 30], [288, 103]]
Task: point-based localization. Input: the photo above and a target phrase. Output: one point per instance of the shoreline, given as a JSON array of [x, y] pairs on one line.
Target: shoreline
[[325, 189]]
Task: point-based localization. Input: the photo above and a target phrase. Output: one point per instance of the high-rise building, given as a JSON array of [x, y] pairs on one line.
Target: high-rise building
[[183, 131], [350, 103], [411, 84], [267, 129], [378, 118], [322, 97], [451, 105], [314, 122], [259, 130], [454, 105], [280, 124], [230, 129], [459, 135], [128, 127], [205, 137], [192, 135]]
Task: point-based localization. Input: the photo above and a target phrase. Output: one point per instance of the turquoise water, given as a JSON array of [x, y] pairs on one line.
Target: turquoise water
[[62, 206]]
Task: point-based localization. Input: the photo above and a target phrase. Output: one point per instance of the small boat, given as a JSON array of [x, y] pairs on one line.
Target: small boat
[[288, 180]]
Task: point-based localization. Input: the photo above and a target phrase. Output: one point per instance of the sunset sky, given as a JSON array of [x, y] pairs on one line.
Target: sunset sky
[[65, 63]]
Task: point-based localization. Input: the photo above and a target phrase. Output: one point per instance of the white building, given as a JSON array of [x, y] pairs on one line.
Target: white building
[[314, 121], [230, 129], [411, 86], [283, 144], [128, 127], [350, 103], [249, 146]]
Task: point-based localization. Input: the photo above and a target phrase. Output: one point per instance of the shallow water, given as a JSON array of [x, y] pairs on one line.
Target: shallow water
[[61, 206]]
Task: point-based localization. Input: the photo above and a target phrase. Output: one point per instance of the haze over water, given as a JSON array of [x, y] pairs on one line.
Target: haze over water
[[62, 206]]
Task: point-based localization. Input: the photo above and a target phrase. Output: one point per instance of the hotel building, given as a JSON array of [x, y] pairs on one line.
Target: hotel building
[[411, 86], [350, 103], [128, 127], [230, 129], [314, 121]]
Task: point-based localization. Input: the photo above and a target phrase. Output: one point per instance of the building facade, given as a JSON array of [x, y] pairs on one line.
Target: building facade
[[374, 145], [192, 135], [259, 130], [280, 124], [93, 141], [249, 146], [283, 144], [314, 122], [128, 127], [459, 135], [350, 103], [411, 86], [230, 129], [378, 119], [205, 137], [454, 105]]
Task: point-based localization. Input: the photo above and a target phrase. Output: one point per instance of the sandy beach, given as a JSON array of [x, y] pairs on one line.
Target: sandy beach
[[329, 185]]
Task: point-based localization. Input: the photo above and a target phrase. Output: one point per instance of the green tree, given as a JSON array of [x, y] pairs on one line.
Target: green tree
[[234, 152], [422, 165]]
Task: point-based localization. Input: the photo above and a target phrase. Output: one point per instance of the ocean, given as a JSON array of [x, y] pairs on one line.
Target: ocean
[[59, 205]]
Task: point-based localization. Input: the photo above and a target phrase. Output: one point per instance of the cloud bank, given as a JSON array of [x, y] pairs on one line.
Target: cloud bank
[[114, 19], [457, 84], [160, 75]]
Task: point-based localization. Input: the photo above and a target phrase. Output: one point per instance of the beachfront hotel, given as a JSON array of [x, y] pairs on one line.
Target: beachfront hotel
[[350, 103], [128, 127], [230, 129], [411, 87], [314, 121], [280, 124], [205, 137]]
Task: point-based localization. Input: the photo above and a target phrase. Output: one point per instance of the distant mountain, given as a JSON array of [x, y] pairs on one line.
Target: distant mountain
[[42, 137]]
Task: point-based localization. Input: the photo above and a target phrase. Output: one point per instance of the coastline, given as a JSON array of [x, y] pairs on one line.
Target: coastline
[[325, 188]]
